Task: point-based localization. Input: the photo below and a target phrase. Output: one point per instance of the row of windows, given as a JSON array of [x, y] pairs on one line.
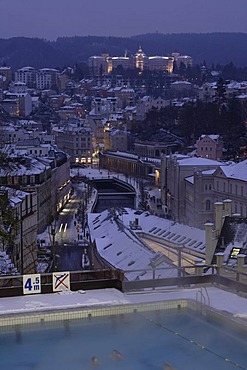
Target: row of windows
[[206, 149], [238, 208], [238, 190], [23, 180]]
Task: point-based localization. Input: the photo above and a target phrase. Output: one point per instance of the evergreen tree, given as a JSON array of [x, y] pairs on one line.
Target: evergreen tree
[[220, 93], [8, 222]]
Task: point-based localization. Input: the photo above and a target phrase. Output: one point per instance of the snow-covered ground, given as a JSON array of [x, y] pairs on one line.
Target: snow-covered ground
[[218, 299]]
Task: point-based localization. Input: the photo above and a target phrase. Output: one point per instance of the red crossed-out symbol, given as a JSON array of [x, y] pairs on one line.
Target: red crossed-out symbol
[[60, 280]]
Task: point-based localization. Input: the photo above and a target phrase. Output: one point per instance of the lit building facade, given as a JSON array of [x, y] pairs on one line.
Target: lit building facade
[[160, 63], [76, 141], [104, 64]]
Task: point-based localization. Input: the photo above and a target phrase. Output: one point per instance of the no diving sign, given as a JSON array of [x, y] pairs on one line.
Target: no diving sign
[[61, 281]]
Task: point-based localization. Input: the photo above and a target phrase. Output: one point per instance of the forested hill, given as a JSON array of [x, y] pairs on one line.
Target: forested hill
[[217, 48]]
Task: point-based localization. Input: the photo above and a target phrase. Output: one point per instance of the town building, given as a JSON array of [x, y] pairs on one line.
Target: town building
[[184, 60], [17, 87], [23, 251], [104, 64], [131, 165], [175, 169], [76, 140], [191, 186], [48, 176], [209, 146], [47, 78], [6, 77], [17, 104], [158, 144], [115, 140], [27, 75]]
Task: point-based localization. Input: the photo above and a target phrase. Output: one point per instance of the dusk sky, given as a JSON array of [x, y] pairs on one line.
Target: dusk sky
[[50, 19]]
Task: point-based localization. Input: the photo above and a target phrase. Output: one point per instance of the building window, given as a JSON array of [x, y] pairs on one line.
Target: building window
[[236, 189], [206, 187], [209, 187], [24, 179], [208, 205]]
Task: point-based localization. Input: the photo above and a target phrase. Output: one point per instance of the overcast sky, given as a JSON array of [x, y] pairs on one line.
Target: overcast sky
[[53, 18]]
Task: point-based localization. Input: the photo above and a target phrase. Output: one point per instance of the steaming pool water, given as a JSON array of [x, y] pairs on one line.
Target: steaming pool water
[[182, 338]]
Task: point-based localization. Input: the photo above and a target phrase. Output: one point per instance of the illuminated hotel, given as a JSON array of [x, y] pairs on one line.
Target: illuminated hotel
[[104, 64]]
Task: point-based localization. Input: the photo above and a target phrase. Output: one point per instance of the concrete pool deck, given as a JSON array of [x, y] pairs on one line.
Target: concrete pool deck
[[218, 299]]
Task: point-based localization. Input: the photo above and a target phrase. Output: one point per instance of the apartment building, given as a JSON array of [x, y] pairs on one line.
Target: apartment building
[[209, 146], [48, 176], [27, 75], [191, 186], [47, 78], [7, 77], [174, 170], [205, 188], [23, 250], [116, 140], [17, 104], [75, 139]]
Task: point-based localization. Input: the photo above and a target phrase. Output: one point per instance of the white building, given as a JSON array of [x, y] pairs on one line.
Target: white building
[[27, 75], [160, 63], [47, 78]]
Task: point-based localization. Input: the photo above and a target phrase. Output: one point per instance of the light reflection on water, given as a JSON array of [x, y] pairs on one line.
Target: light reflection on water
[[145, 341]]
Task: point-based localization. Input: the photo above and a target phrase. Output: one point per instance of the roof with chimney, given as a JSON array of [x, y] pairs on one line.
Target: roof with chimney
[[233, 239]]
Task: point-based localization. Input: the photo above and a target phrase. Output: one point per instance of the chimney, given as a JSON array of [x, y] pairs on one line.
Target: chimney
[[218, 217], [209, 242], [228, 207]]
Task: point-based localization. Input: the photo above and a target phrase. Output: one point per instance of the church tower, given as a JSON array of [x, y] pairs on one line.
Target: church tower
[[140, 59]]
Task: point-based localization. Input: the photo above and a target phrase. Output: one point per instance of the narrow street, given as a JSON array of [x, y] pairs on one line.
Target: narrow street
[[69, 245]]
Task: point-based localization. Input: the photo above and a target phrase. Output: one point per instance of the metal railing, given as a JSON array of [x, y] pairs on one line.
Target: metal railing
[[114, 278]]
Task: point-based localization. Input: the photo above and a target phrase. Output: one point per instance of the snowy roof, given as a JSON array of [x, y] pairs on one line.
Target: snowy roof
[[194, 161], [181, 82], [212, 137], [117, 241], [29, 166], [233, 237], [236, 170]]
